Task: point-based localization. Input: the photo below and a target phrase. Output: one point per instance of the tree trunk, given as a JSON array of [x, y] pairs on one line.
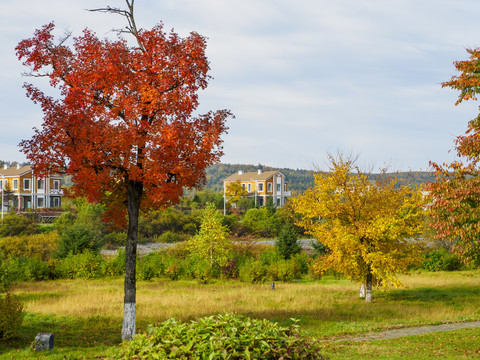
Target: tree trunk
[[368, 294], [134, 195], [362, 291]]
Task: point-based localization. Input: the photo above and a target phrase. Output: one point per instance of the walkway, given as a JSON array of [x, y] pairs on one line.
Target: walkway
[[397, 333]]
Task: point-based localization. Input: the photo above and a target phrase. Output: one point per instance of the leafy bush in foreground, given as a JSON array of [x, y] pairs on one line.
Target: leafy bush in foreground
[[219, 337]]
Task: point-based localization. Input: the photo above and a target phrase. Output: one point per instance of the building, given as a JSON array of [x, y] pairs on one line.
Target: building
[[22, 190], [261, 185]]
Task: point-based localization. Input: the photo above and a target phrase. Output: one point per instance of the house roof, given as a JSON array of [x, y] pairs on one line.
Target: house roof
[[14, 171], [254, 175]]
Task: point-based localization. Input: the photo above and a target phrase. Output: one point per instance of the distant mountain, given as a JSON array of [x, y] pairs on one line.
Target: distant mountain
[[298, 180]]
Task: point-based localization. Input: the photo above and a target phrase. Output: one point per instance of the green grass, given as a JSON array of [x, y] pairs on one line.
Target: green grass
[[86, 315], [460, 344]]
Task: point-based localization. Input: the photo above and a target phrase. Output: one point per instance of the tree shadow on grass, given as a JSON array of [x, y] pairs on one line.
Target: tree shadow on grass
[[69, 332], [432, 295]]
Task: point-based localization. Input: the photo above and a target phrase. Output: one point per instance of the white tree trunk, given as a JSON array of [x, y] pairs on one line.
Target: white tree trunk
[[362, 291], [129, 321], [368, 294]]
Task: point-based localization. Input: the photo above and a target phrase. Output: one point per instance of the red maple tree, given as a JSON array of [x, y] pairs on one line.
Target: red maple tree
[[456, 192], [123, 124]]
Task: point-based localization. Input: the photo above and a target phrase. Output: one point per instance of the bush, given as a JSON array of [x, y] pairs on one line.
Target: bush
[[262, 222], [168, 237], [115, 239], [150, 266], [253, 272], [40, 246], [16, 225], [11, 315], [24, 269], [115, 266], [220, 337], [77, 239], [287, 244], [87, 265], [440, 259]]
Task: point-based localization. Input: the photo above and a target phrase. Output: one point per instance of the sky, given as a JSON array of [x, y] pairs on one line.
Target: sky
[[303, 78]]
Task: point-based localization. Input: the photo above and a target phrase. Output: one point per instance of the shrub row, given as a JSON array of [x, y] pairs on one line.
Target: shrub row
[[174, 265]]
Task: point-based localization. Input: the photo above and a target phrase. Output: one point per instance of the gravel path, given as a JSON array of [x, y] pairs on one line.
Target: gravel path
[[397, 333], [144, 249]]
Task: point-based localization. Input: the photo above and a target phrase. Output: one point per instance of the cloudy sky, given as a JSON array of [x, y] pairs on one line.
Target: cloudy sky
[[303, 77]]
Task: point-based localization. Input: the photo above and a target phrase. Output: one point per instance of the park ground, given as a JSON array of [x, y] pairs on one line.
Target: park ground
[[85, 315]]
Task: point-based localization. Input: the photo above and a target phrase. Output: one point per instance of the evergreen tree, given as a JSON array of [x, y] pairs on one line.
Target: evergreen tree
[[287, 244]]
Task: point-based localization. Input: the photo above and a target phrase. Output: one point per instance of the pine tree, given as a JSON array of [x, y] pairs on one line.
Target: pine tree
[[287, 244]]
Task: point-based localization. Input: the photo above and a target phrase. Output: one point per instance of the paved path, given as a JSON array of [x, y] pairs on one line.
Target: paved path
[[396, 333]]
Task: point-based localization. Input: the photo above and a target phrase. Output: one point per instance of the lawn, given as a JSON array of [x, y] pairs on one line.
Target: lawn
[[85, 315]]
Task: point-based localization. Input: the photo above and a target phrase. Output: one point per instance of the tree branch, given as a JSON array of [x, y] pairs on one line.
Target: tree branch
[[128, 14]]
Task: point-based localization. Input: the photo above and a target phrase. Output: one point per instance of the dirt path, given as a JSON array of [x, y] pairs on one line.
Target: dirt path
[[396, 333]]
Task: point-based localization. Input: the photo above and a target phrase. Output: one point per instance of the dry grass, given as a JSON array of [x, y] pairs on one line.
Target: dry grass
[[327, 307]]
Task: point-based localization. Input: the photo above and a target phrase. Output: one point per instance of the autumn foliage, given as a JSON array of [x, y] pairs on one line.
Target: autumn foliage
[[124, 115], [368, 226], [456, 192]]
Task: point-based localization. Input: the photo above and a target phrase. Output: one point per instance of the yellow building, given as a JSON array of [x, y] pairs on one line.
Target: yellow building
[[261, 185], [25, 191]]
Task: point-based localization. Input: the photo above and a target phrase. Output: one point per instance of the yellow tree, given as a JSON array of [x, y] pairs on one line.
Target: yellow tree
[[368, 226], [234, 191]]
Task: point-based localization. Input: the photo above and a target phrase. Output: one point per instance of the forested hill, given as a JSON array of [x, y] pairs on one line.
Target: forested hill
[[298, 180]]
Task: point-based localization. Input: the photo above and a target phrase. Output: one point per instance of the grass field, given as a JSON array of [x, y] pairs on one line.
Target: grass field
[[85, 315]]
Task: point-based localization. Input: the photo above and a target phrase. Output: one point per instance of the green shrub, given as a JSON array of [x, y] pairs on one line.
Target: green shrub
[[77, 239], [40, 246], [270, 256], [16, 225], [25, 269], [115, 266], [440, 259], [115, 239], [168, 237], [150, 266], [220, 337], [174, 270], [282, 270], [301, 262], [87, 265], [287, 244], [262, 222], [11, 315], [253, 272]]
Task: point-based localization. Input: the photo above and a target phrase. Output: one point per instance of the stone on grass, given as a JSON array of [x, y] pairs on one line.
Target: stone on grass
[[43, 342]]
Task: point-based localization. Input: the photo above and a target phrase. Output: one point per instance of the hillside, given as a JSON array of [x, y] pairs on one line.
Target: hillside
[[298, 180]]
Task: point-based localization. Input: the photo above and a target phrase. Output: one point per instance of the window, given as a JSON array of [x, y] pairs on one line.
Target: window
[[249, 187], [26, 184], [260, 187], [40, 185], [40, 202], [56, 184], [15, 184], [284, 187], [243, 186], [1, 184], [269, 187], [279, 187], [56, 202]]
